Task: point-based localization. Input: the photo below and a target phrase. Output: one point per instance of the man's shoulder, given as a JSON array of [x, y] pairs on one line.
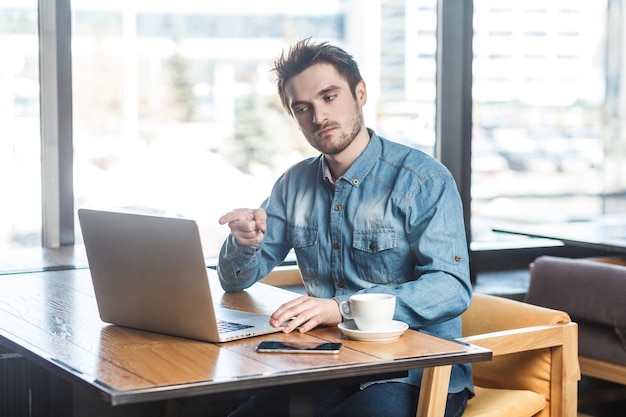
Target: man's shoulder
[[311, 163], [408, 157], [305, 171]]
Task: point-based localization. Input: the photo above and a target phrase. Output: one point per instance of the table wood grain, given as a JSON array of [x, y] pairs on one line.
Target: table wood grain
[[52, 319], [37, 259]]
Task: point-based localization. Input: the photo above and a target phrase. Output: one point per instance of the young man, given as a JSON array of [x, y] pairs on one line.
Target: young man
[[367, 215]]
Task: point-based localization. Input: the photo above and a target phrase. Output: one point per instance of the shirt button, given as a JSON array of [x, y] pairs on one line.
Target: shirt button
[[335, 245], [355, 181], [372, 246], [337, 207], [340, 285]]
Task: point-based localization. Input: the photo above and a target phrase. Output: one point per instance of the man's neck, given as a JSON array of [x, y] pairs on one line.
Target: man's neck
[[341, 162]]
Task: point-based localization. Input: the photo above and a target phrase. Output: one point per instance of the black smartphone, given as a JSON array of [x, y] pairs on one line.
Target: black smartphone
[[298, 347]]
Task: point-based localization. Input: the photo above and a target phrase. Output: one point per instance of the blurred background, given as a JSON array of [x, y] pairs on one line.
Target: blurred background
[[175, 110]]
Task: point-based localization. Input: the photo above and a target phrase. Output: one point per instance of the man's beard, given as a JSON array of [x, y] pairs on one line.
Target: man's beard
[[344, 139]]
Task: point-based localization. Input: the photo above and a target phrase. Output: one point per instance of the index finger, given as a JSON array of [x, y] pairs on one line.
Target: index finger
[[237, 214]]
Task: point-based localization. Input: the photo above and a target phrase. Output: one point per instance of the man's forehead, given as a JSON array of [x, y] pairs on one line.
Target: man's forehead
[[313, 80]]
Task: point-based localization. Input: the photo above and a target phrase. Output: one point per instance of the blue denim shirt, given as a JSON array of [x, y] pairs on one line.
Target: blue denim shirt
[[392, 223]]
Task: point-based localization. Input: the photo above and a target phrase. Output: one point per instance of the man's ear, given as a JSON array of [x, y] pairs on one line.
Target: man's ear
[[360, 93]]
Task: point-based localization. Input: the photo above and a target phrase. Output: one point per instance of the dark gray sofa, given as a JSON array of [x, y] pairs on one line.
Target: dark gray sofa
[[593, 294]]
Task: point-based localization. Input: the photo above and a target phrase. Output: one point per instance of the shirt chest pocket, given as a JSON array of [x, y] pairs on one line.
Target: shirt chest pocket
[[305, 242], [376, 255]]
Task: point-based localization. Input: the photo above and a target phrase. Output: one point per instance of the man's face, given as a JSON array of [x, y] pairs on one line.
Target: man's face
[[327, 112]]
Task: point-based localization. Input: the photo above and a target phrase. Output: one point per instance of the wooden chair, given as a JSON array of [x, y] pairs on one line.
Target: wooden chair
[[534, 371], [284, 276], [593, 292]]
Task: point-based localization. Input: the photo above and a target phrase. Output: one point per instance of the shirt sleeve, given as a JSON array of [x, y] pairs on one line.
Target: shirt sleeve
[[240, 266], [440, 289]]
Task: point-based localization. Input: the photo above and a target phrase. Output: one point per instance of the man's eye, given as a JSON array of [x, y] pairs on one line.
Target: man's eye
[[331, 97], [299, 110]]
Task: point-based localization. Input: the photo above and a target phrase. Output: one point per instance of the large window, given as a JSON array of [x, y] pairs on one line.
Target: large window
[[20, 178], [175, 110], [540, 106]]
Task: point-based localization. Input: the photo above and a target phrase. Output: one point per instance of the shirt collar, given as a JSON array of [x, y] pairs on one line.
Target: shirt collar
[[361, 166]]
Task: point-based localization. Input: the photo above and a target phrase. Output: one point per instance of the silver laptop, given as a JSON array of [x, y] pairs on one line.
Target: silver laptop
[[149, 273]]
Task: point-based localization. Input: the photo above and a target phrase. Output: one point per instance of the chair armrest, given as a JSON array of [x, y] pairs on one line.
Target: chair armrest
[[489, 313], [523, 339]]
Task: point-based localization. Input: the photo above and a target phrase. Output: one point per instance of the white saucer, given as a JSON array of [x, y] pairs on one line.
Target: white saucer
[[395, 331]]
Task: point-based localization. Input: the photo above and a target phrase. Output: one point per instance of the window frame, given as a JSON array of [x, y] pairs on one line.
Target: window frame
[[55, 75]]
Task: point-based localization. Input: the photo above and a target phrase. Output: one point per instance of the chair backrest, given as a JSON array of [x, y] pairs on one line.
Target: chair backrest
[[284, 276], [594, 295], [534, 349]]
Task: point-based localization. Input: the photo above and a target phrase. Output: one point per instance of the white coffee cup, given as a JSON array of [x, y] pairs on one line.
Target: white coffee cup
[[370, 311]]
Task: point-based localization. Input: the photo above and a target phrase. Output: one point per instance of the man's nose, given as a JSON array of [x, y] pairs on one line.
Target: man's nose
[[319, 116]]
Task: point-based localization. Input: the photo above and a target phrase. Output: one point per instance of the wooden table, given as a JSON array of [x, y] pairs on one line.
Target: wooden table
[[27, 260], [51, 319], [607, 234]]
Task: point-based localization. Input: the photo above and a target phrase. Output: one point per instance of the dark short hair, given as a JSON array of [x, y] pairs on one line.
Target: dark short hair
[[304, 54]]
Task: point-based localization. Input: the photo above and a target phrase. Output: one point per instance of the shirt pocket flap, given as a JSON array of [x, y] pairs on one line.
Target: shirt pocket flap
[[373, 241]]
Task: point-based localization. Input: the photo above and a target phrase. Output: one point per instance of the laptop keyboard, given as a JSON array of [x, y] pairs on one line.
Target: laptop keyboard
[[229, 326]]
